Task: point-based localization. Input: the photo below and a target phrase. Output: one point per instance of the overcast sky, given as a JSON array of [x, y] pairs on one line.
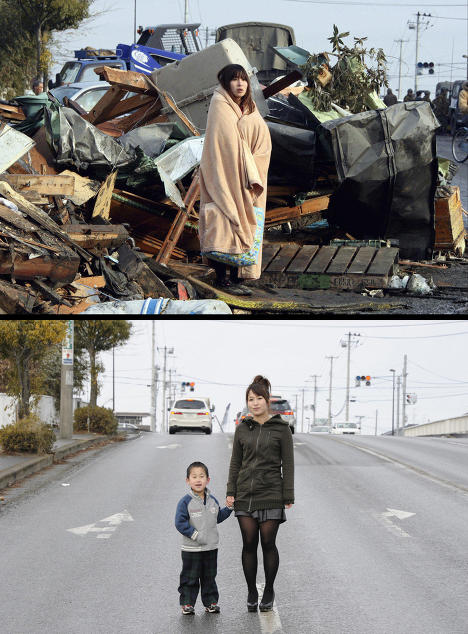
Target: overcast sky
[[443, 41], [222, 357]]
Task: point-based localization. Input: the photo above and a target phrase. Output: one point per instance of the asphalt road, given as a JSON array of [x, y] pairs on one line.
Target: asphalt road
[[376, 542]]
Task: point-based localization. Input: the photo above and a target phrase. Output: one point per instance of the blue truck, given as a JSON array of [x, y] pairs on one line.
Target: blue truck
[[156, 47]]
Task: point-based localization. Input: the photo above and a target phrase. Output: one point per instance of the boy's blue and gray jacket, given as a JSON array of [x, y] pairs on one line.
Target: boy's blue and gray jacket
[[197, 520]]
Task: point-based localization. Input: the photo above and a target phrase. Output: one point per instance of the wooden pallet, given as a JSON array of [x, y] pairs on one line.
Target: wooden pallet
[[311, 266]]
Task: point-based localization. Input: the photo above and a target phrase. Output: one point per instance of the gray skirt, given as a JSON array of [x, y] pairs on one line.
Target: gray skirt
[[262, 515]]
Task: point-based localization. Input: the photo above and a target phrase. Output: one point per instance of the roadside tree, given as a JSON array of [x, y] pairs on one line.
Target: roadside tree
[[99, 335], [24, 344], [42, 18]]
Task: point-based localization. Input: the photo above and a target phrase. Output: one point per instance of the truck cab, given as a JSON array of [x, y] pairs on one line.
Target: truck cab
[[156, 47]]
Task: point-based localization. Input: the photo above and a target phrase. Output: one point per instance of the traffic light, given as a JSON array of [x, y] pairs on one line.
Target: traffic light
[[429, 66], [363, 378], [192, 386]]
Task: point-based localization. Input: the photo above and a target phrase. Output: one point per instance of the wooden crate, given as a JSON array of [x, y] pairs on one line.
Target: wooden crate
[[449, 227], [340, 267]]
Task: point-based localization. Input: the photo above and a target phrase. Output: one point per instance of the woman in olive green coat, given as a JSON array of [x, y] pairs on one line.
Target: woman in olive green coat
[[261, 486]]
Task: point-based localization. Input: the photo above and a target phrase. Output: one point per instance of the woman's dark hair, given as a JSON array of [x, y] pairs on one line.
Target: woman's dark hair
[[194, 465], [259, 386], [233, 71]]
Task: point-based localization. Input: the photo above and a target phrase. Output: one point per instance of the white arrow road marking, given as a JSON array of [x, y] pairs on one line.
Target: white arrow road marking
[[270, 622], [174, 446], [104, 532], [401, 515]]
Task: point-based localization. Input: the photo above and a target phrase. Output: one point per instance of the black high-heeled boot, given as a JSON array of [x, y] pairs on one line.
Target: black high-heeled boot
[[266, 606], [252, 601]]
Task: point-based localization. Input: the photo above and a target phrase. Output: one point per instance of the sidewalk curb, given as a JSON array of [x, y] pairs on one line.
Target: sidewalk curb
[[18, 472]]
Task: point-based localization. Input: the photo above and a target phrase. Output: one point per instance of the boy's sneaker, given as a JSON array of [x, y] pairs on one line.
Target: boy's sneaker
[[188, 609], [213, 608]]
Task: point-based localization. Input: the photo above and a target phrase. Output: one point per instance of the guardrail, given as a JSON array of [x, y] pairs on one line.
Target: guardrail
[[457, 425]]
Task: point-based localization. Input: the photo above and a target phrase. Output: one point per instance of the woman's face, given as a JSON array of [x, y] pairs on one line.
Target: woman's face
[[257, 404], [238, 87]]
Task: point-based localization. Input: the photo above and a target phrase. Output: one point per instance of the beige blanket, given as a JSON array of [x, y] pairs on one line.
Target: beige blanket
[[227, 217]]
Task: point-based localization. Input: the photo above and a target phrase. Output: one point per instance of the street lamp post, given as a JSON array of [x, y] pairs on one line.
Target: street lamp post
[[393, 403]]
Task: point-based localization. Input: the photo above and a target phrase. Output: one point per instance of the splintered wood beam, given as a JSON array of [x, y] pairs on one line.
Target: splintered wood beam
[[178, 225], [128, 79], [69, 103], [97, 236], [282, 83], [50, 185], [284, 214], [104, 197], [174, 107], [140, 117], [103, 108], [15, 299], [129, 105], [22, 267]]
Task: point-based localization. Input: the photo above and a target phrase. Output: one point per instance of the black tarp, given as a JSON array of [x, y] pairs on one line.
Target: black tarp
[[387, 169], [292, 156]]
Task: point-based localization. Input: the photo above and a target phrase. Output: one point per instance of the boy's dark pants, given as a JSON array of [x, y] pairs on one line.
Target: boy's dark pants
[[199, 571]]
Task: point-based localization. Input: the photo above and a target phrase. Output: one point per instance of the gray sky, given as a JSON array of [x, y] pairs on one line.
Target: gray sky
[[222, 357], [443, 42]]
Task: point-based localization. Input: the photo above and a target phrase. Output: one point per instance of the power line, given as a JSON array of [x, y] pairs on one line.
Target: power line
[[375, 4]]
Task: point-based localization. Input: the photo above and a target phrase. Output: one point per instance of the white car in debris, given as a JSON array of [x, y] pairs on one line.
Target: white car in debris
[[345, 428], [191, 413]]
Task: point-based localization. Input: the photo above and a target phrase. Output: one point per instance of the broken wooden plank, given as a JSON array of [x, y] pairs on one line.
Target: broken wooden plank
[[281, 261], [15, 299], [103, 108], [178, 225], [361, 262], [125, 106], [309, 206], [104, 197], [50, 185], [280, 84], [49, 293], [384, 262], [128, 79], [140, 117], [268, 253], [16, 219], [131, 263], [85, 188], [321, 261], [55, 269], [97, 236], [39, 216], [303, 258], [340, 262]]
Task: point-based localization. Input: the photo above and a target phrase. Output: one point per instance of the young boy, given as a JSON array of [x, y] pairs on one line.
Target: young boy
[[197, 516]]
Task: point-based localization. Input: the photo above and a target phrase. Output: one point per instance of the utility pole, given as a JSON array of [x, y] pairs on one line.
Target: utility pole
[[134, 24], [186, 12], [398, 406], [66, 384], [403, 406], [417, 55], [360, 420], [153, 381], [302, 415], [376, 416], [347, 343], [315, 376], [393, 403], [399, 68], [164, 406], [330, 390]]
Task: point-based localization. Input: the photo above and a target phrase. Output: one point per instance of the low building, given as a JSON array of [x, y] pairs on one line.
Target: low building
[[447, 426], [134, 418]]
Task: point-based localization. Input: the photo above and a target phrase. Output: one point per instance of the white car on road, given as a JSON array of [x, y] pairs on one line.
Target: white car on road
[[191, 413], [345, 428]]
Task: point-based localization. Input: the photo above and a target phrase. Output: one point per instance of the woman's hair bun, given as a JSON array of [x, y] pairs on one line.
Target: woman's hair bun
[[259, 379]]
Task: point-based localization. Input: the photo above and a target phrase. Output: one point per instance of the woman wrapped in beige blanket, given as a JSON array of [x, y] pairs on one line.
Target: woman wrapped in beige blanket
[[233, 180]]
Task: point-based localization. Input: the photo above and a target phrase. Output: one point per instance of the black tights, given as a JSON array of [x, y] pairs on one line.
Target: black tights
[[250, 530], [221, 271]]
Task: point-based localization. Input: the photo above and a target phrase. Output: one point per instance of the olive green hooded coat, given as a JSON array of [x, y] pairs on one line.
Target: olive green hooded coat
[[261, 473]]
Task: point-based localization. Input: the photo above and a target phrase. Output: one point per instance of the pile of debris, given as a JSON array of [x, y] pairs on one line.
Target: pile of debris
[[98, 210]]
